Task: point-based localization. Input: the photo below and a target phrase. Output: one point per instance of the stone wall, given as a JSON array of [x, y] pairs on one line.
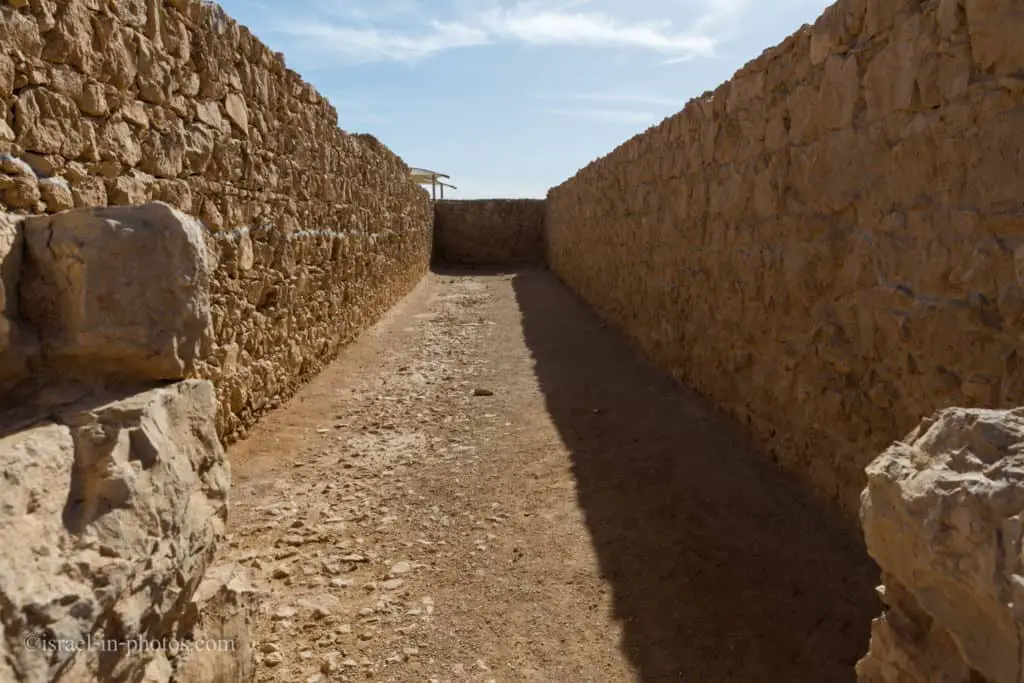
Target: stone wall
[[489, 231], [318, 232], [115, 482], [830, 245]]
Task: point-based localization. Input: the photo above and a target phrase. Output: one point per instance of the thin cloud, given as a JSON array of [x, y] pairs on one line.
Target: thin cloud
[[630, 98], [595, 29], [524, 23], [609, 115], [372, 45], [720, 15]]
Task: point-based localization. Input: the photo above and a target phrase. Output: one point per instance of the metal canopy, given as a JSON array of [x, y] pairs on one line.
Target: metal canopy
[[423, 176]]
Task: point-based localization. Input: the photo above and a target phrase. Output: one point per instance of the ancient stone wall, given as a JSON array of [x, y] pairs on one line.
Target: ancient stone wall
[[489, 231], [317, 231], [830, 245]]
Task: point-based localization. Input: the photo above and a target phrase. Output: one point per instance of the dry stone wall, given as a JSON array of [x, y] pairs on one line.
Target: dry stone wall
[[830, 245], [317, 232], [489, 231]]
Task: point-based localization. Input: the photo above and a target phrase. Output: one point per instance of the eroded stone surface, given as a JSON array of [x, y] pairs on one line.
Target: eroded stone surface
[[119, 291], [224, 609], [824, 246], [943, 515], [489, 232], [127, 103], [109, 517], [18, 343]]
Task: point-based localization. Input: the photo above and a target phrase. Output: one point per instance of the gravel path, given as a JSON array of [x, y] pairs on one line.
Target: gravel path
[[489, 486]]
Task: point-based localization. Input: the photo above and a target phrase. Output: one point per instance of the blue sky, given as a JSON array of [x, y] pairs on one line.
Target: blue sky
[[511, 97]]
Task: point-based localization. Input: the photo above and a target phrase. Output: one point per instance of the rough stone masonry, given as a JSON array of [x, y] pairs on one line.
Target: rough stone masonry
[[316, 232], [830, 245], [489, 232], [114, 494]]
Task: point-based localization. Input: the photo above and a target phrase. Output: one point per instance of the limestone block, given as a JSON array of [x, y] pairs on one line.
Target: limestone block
[[943, 515], [17, 342], [834, 31], [7, 137], [163, 154], [43, 165], [71, 40], [120, 55], [122, 291], [994, 27], [177, 193], [840, 93], [209, 114], [154, 75], [56, 194], [224, 608], [134, 112], [19, 31], [89, 192], [129, 190], [908, 646], [20, 192], [6, 76], [118, 141], [11, 247], [50, 123], [93, 100], [237, 112], [111, 514], [880, 17]]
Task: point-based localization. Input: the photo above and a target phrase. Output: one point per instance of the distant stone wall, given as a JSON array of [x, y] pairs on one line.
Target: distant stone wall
[[118, 103], [829, 246], [489, 231]]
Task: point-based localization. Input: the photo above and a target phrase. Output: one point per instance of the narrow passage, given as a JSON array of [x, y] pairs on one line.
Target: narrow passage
[[490, 486]]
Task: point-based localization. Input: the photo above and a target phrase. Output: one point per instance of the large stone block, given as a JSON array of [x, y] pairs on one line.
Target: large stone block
[[224, 609], [109, 517], [119, 291], [17, 342], [994, 27], [943, 515]]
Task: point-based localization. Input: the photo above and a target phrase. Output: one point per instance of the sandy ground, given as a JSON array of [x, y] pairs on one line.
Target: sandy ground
[[490, 486]]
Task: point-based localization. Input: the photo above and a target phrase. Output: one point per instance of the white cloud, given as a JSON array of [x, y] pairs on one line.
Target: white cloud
[[567, 24], [720, 14], [610, 115], [526, 24], [372, 45], [631, 98]]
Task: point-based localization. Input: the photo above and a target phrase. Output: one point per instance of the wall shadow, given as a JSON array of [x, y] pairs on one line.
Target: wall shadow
[[41, 400], [457, 270], [722, 569]]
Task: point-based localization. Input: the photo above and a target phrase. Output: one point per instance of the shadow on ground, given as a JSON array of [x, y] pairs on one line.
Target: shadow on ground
[[458, 270], [722, 571]]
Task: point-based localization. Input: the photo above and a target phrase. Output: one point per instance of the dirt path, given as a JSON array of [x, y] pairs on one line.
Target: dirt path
[[489, 486]]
